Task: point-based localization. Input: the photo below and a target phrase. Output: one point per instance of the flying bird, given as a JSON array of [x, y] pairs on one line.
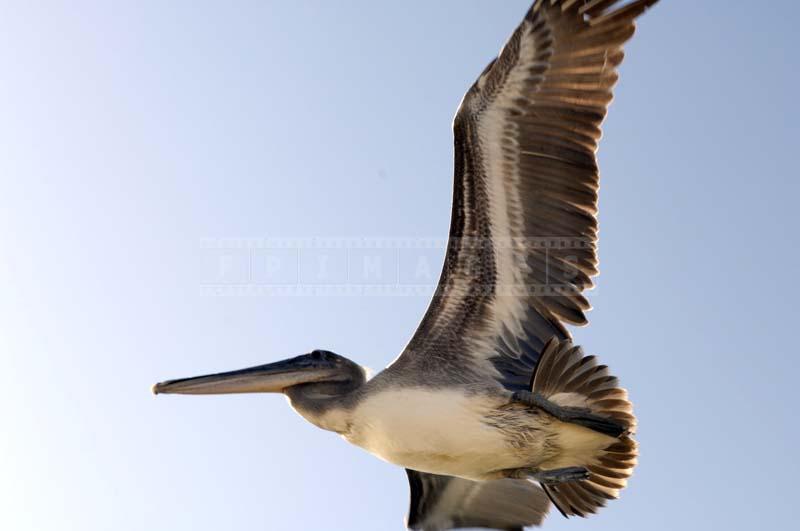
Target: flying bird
[[490, 408]]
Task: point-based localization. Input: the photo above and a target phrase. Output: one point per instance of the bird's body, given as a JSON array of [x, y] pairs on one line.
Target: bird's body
[[471, 431], [490, 408], [445, 432]]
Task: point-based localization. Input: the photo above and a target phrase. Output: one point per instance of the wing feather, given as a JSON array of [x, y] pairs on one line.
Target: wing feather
[[523, 235], [445, 502]]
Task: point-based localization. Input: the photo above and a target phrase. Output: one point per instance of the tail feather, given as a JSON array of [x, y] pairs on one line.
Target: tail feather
[[565, 370], [567, 377]]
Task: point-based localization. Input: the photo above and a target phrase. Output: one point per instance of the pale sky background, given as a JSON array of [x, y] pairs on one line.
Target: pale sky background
[[132, 134]]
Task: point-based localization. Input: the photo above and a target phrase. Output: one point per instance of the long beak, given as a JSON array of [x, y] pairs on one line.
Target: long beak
[[270, 378]]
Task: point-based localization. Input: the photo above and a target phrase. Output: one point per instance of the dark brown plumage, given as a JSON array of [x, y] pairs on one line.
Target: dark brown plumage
[[523, 235]]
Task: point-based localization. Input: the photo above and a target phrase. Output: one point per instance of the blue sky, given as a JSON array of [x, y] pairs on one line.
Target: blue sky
[[133, 134]]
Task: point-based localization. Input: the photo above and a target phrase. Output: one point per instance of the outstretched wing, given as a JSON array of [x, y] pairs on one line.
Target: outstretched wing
[[444, 502], [523, 234]]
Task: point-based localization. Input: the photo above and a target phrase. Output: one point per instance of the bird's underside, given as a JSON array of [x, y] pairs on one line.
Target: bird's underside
[[570, 433]]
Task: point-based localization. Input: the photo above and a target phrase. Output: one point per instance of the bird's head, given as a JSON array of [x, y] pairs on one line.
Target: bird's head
[[317, 374]]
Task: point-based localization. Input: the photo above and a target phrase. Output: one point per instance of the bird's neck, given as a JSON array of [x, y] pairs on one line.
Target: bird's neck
[[332, 412]]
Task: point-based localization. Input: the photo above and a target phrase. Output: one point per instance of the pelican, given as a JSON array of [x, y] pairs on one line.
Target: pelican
[[490, 408]]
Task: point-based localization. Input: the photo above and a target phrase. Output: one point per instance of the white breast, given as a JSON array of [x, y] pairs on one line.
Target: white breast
[[434, 431]]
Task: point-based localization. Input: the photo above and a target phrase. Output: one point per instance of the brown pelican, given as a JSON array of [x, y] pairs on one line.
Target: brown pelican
[[490, 408]]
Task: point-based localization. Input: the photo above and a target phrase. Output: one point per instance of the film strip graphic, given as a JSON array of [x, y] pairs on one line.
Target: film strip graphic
[[385, 266]]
